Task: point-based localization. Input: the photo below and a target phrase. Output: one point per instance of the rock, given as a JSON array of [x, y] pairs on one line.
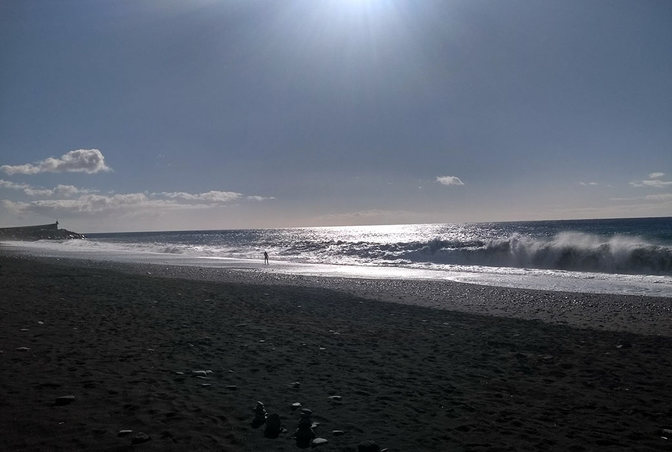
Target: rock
[[64, 400], [337, 432], [304, 433], [259, 415], [295, 385], [273, 426], [201, 373], [368, 446], [318, 442], [124, 432], [335, 398], [23, 349], [140, 437]]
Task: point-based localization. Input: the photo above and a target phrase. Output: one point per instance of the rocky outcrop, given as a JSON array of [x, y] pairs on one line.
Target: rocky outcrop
[[40, 232]]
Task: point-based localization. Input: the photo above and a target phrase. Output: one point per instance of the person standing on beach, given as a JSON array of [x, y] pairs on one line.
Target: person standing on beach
[[265, 258]]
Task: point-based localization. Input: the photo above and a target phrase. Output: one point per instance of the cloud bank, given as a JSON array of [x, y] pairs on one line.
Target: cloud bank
[[449, 180], [88, 161], [654, 180], [90, 203]]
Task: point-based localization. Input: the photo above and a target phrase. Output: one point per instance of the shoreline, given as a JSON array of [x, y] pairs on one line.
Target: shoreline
[[126, 344], [639, 314]]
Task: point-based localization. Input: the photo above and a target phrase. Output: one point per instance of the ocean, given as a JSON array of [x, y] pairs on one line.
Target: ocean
[[631, 256]]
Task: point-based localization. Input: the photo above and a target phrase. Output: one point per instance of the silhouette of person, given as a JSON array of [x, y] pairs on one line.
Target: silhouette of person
[[265, 258]]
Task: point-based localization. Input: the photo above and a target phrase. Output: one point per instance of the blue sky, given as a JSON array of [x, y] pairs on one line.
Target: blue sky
[[156, 115]]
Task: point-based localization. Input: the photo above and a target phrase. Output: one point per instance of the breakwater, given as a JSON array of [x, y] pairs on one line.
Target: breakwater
[[39, 232]]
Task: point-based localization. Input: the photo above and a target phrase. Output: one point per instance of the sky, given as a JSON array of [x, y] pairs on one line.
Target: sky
[[135, 115]]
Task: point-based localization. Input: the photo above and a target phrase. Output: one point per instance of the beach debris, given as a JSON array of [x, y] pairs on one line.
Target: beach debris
[[140, 437], [337, 432], [260, 415], [296, 405], [273, 426], [124, 432], [64, 400], [304, 433], [624, 344], [368, 446], [318, 442]]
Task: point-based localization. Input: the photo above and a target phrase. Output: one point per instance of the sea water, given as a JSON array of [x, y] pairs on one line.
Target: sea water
[[625, 256]]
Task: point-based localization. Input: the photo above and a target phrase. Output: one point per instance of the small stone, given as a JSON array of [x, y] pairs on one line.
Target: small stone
[[667, 431], [232, 387], [23, 330], [319, 441], [306, 411], [140, 437], [64, 400], [335, 398], [205, 385], [296, 405], [124, 432], [337, 432], [201, 373], [296, 385], [23, 349], [179, 373]]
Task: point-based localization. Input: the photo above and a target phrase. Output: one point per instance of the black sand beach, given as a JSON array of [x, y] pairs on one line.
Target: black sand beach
[[542, 371]]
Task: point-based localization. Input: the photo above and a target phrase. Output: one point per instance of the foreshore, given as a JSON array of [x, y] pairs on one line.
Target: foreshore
[[411, 365]]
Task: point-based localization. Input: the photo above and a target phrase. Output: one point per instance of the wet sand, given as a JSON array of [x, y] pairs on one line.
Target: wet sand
[[541, 371]]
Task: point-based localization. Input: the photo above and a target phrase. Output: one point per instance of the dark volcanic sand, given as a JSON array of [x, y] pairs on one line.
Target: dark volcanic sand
[[410, 377]]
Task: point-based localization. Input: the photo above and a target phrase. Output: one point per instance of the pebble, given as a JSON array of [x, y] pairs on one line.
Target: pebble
[[337, 432], [124, 432], [335, 398], [232, 387], [296, 385], [296, 405], [140, 437], [202, 373], [319, 441], [64, 400], [22, 349]]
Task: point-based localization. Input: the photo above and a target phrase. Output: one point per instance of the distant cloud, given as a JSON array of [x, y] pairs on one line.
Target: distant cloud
[[260, 198], [656, 183], [589, 184], [59, 190], [211, 196], [449, 180], [656, 175], [88, 203], [88, 161]]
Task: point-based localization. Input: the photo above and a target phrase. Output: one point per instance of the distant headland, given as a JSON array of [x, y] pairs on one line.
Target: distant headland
[[40, 232]]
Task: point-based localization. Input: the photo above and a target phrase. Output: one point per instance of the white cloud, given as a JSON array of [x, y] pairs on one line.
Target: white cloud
[[89, 203], [449, 180], [656, 183], [589, 184], [656, 175], [88, 161], [211, 196], [59, 190], [260, 198]]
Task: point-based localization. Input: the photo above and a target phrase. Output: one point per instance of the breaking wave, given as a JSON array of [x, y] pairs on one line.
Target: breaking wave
[[565, 251]]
